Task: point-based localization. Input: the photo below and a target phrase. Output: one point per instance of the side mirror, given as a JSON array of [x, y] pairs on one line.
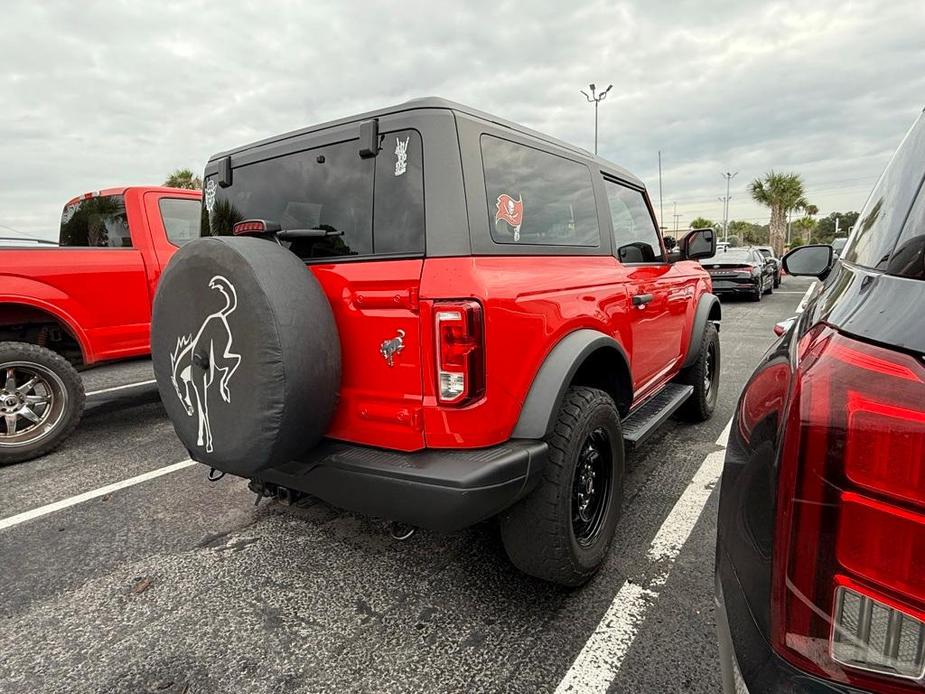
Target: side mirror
[[700, 243], [810, 261]]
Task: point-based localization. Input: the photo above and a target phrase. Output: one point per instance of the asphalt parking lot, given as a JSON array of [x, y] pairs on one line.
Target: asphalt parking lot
[[177, 584]]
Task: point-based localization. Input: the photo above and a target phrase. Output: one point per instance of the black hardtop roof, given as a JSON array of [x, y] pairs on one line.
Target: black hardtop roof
[[433, 102]]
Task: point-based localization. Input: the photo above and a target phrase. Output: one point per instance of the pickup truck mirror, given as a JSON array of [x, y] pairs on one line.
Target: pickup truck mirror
[[810, 261], [699, 243]]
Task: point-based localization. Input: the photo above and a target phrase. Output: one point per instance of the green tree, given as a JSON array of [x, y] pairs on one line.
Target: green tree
[[184, 178], [751, 234], [702, 223], [781, 193], [804, 226], [825, 227]]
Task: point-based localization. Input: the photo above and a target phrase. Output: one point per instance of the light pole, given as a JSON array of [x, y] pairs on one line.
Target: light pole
[[728, 175], [596, 100]]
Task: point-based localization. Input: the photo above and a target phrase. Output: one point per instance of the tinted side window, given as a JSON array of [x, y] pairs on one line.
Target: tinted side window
[[880, 223], [329, 188], [181, 219], [635, 237], [908, 257], [398, 213], [537, 198], [96, 222]]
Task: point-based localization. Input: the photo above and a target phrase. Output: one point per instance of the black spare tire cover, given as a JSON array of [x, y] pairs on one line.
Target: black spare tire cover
[[246, 353]]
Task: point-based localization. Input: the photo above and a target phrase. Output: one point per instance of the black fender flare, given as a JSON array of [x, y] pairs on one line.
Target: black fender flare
[[708, 309], [538, 413]]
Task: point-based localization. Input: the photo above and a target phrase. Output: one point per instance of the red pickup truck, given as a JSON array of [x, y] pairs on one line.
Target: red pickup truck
[[83, 302]]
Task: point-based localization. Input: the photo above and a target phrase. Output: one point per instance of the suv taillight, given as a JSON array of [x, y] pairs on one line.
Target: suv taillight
[[848, 594], [460, 352]]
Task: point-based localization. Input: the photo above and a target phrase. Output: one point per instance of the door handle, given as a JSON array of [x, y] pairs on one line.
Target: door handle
[[641, 299]]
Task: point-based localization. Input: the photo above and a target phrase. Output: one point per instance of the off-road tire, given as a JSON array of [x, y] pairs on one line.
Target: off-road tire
[[538, 532], [66, 407], [700, 405]]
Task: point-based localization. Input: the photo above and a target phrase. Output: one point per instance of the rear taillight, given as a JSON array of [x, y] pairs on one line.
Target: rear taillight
[[848, 598], [460, 352]]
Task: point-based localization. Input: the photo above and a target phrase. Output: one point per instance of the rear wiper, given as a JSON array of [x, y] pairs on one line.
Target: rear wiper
[[293, 234]]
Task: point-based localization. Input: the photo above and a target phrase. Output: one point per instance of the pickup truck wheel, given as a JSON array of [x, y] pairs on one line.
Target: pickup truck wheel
[[562, 531], [41, 400], [703, 374]]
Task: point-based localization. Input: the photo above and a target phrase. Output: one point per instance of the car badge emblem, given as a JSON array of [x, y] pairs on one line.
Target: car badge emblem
[[389, 348]]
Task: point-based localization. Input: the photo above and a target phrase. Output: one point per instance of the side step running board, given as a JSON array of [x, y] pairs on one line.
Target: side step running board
[[643, 422]]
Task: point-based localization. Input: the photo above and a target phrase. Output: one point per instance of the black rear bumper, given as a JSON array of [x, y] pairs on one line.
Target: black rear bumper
[[444, 490]]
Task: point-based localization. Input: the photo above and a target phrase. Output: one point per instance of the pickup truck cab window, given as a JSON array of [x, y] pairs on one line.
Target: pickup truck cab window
[[535, 197], [181, 217], [97, 222], [635, 237]]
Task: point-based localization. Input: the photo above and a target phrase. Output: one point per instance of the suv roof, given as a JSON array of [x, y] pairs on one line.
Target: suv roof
[[433, 102]]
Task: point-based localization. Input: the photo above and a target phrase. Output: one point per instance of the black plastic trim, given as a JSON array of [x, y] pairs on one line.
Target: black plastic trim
[[704, 307], [443, 490], [554, 377]]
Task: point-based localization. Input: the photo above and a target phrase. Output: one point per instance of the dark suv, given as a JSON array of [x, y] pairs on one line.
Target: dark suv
[[820, 558], [431, 315]]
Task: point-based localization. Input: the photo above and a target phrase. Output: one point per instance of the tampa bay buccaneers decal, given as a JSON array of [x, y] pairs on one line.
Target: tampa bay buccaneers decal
[[510, 211]]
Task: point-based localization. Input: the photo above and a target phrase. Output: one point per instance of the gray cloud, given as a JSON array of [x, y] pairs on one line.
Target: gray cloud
[[102, 94]]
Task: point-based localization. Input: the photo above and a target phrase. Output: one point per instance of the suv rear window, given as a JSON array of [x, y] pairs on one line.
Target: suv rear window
[[373, 206], [181, 217], [96, 222], [535, 197], [908, 257]]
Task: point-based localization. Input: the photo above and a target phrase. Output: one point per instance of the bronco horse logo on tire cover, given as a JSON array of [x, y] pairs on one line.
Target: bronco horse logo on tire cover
[[210, 350]]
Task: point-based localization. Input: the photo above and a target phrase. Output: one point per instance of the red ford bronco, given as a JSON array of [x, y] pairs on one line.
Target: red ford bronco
[[83, 301], [434, 316]]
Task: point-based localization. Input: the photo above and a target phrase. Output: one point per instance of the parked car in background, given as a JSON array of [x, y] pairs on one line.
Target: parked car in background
[[386, 316], [85, 301], [741, 270], [819, 576], [838, 244], [768, 253]]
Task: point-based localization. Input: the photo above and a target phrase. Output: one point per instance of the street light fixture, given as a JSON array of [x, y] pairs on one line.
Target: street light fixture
[[596, 100]]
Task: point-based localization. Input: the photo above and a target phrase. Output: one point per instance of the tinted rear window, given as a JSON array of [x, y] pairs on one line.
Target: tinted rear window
[[535, 197], [331, 188], [732, 255], [181, 217], [881, 221], [96, 222]]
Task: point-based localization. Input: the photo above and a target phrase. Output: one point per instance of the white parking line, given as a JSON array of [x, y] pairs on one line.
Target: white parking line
[[93, 494], [602, 656], [115, 388]]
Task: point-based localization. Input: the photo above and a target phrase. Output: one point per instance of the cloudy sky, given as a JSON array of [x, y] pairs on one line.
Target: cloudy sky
[[97, 94]]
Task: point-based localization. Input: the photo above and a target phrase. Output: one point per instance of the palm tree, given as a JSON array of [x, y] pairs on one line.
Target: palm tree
[[782, 193], [184, 178], [811, 211]]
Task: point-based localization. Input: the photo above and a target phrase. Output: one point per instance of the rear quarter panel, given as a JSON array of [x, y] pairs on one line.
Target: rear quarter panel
[[530, 304]]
